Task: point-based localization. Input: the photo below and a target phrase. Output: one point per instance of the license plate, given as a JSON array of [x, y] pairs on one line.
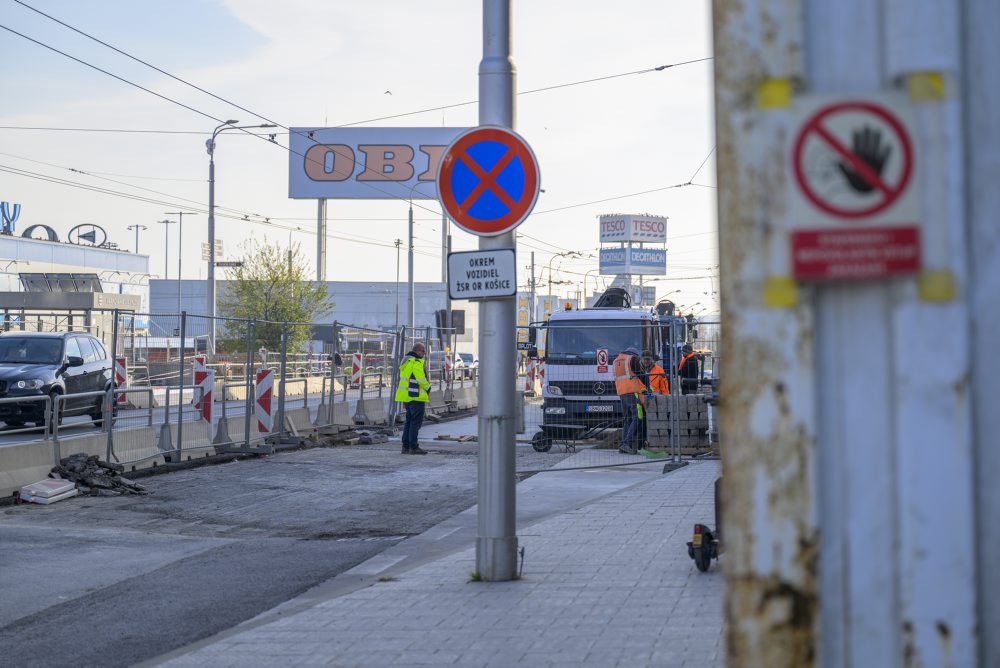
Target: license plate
[[696, 540], [598, 408]]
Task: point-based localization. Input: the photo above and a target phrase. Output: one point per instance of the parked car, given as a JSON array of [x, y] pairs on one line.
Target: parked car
[[469, 360], [38, 364]]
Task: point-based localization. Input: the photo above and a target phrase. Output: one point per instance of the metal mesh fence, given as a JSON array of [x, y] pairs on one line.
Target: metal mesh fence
[[175, 397], [619, 388]]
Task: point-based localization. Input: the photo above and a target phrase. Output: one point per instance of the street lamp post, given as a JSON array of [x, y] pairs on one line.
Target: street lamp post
[[399, 242], [566, 254], [409, 262], [137, 228], [180, 252], [166, 246], [210, 146]]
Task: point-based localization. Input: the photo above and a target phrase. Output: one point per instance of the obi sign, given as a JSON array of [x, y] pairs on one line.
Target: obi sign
[[854, 206], [629, 227], [366, 163]]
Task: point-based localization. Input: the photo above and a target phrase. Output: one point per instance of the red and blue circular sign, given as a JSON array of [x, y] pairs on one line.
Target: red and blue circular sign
[[488, 180]]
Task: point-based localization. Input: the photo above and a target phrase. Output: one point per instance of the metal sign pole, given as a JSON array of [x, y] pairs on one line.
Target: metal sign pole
[[496, 542]]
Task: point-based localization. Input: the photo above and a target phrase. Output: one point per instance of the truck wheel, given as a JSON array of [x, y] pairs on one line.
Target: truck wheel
[[540, 442]]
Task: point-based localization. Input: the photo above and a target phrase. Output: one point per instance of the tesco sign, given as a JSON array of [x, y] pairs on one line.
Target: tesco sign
[[630, 227]]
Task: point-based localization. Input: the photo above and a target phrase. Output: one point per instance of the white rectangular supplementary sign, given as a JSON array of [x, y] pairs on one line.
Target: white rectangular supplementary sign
[[482, 274]]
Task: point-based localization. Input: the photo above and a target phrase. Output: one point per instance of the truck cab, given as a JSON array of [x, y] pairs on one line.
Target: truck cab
[[579, 399]]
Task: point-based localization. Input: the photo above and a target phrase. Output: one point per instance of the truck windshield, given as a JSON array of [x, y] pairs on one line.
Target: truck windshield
[[580, 339], [30, 350]]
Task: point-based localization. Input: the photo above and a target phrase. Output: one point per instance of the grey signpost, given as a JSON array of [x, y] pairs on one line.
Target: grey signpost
[[493, 280]]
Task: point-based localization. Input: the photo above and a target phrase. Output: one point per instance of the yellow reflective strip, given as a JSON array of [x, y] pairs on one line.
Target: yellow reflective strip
[[780, 292], [774, 94], [936, 286], [925, 86]]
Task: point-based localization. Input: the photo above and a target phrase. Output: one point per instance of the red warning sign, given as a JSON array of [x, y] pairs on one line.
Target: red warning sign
[[602, 360], [854, 207]]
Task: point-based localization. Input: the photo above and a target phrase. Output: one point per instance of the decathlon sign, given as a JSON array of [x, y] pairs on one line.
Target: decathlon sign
[[366, 163], [629, 227], [646, 261]]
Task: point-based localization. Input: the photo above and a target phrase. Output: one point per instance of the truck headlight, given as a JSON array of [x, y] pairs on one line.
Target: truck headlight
[[555, 391], [30, 384], [556, 410]]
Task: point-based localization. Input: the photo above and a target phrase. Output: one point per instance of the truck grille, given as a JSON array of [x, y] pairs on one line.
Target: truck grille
[[586, 388]]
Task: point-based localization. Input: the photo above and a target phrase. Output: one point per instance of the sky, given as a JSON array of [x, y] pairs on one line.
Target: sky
[[611, 134]]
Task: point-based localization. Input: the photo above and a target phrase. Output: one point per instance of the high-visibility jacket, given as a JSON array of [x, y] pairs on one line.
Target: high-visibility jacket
[[626, 382], [413, 384], [658, 383], [693, 370]]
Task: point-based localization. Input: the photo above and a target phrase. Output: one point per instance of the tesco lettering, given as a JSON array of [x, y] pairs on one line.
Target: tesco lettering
[[628, 227]]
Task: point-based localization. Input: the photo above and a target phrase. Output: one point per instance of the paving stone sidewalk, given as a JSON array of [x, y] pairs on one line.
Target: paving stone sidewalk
[[607, 584]]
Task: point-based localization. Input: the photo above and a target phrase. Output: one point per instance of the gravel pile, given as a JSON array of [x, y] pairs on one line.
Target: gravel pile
[[94, 477]]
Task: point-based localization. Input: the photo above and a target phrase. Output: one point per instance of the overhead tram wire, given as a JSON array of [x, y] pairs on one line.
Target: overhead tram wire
[[194, 209], [288, 148], [265, 118]]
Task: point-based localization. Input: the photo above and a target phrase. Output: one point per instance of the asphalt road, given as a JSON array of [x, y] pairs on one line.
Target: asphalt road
[[115, 581]]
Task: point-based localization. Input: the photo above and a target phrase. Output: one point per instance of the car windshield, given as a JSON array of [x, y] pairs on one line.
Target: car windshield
[[580, 339], [466, 357], [29, 350]]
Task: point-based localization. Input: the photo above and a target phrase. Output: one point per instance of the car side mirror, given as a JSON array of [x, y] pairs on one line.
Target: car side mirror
[[73, 360]]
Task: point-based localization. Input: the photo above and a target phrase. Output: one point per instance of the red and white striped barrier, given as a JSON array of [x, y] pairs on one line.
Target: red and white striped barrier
[[540, 372], [356, 369], [448, 367], [205, 379], [121, 378], [529, 376], [264, 392]]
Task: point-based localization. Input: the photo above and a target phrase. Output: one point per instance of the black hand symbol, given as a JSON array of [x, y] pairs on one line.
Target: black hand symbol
[[867, 148]]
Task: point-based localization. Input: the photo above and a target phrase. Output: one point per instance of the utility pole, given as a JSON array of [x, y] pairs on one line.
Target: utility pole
[[532, 287], [843, 554], [180, 250]]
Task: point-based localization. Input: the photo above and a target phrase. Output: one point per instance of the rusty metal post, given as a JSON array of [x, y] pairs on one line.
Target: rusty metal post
[[838, 388], [768, 396]]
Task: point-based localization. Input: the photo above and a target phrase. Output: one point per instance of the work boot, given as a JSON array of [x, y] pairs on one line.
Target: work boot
[[406, 450], [417, 451]]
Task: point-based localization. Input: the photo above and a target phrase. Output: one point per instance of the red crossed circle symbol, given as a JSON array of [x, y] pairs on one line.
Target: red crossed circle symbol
[[814, 127], [518, 210]]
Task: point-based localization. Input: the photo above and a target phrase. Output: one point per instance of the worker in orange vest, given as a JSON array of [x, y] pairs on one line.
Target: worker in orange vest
[[629, 386], [688, 371], [656, 382]]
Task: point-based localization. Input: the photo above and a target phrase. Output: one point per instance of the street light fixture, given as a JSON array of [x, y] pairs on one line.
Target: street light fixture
[[210, 146], [166, 246], [566, 254], [136, 228]]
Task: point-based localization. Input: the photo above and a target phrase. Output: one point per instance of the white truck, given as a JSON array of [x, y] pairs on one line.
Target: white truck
[[578, 396]]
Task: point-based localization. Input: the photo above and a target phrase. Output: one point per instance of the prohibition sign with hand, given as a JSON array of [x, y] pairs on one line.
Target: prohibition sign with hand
[[863, 164], [488, 181]]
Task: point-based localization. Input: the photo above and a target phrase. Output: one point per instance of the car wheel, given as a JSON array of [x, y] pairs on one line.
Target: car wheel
[[541, 443], [14, 423]]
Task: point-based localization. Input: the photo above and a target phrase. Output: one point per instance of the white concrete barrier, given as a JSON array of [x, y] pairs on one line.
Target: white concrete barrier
[[297, 421], [197, 440], [24, 463]]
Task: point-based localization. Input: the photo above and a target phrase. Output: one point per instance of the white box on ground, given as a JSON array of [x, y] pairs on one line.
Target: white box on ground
[[48, 491], [482, 274]]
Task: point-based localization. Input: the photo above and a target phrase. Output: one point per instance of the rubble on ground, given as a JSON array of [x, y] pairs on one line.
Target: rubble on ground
[[371, 437], [94, 477]]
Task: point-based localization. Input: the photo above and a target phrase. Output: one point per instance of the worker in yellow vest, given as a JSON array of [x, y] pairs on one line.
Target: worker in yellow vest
[[412, 390], [629, 386]]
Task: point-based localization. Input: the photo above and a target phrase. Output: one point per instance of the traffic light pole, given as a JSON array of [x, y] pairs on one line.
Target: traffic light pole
[[496, 542]]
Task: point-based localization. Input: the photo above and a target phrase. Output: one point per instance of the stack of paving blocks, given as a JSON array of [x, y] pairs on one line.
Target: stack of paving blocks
[[691, 421]]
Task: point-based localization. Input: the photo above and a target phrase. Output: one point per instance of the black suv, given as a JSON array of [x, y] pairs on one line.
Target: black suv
[[34, 364]]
